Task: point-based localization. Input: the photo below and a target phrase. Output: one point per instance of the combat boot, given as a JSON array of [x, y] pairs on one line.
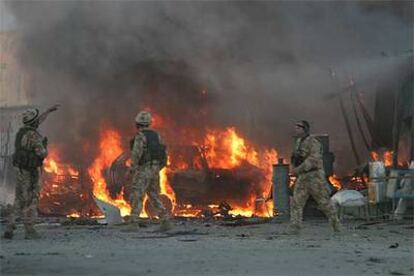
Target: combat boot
[[132, 225], [292, 229], [8, 234], [31, 233], [336, 225], [165, 225]]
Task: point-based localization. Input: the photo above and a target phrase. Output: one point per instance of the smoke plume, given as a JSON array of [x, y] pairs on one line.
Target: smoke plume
[[259, 66]]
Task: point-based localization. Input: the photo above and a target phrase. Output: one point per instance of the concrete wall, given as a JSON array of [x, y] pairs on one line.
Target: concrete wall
[[13, 82]]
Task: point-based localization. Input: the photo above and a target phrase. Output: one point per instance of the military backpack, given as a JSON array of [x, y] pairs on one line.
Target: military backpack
[[24, 158]]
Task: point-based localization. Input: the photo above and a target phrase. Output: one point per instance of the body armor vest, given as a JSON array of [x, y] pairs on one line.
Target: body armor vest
[[24, 158], [153, 149]]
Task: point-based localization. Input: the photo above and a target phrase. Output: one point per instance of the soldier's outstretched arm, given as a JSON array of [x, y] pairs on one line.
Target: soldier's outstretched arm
[[43, 116], [313, 160]]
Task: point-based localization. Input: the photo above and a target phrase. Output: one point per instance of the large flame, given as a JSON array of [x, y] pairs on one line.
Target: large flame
[[109, 149], [221, 148], [227, 149], [166, 188]]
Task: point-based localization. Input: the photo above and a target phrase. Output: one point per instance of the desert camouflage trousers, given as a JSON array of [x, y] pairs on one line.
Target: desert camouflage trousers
[[311, 184], [26, 197], [146, 181]]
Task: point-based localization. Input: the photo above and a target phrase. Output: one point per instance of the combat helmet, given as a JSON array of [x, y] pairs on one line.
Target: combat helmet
[[30, 116], [305, 125], [143, 118]]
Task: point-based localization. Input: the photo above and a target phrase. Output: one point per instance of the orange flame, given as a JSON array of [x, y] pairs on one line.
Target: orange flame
[[227, 149], [385, 156], [166, 188], [109, 149], [54, 165], [74, 215], [335, 181], [388, 155]]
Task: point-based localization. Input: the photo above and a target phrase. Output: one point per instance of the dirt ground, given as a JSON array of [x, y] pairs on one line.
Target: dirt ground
[[209, 248]]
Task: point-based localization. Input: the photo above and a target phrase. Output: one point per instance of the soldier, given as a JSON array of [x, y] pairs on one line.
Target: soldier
[[30, 151], [307, 165], [149, 156]]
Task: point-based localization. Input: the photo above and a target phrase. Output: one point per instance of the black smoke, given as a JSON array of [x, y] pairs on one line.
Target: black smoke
[[257, 65]]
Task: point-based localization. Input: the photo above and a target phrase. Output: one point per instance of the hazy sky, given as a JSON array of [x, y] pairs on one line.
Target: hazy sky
[[7, 21]]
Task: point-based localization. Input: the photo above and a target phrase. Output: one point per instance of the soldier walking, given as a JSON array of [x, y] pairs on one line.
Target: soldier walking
[[149, 156], [311, 180], [30, 151]]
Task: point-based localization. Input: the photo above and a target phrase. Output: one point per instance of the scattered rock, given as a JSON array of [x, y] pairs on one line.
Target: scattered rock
[[187, 240], [350, 261], [362, 227], [376, 260], [394, 245], [80, 221], [22, 254], [52, 253], [313, 246], [392, 272]]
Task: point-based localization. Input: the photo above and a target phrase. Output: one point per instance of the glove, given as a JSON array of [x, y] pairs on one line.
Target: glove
[[54, 107]]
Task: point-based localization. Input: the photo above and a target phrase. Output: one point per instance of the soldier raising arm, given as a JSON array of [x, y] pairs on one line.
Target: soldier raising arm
[[30, 151]]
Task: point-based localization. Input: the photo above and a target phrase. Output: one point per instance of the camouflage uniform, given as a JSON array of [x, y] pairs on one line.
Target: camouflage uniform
[[146, 180], [311, 181], [27, 184]]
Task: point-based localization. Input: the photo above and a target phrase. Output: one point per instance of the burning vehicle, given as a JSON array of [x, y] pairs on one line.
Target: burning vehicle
[[223, 175], [196, 186]]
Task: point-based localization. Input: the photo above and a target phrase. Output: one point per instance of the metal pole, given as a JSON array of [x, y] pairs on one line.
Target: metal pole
[[349, 130], [396, 130], [359, 124], [412, 135]]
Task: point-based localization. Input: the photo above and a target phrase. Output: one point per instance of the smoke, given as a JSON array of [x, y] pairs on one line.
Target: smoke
[[258, 66]]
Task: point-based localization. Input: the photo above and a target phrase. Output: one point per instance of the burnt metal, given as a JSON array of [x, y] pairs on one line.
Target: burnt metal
[[354, 95], [225, 208]]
